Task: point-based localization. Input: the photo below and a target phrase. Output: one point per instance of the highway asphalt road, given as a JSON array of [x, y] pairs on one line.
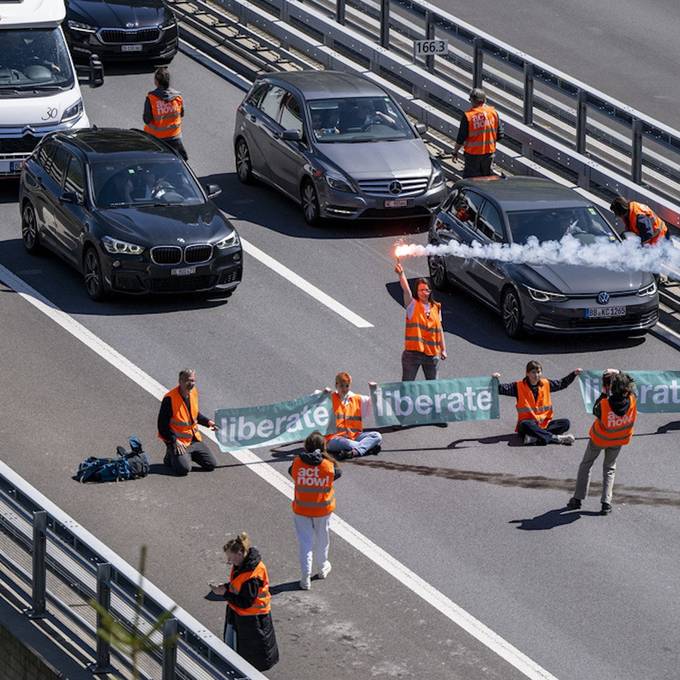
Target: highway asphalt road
[[626, 48], [478, 517]]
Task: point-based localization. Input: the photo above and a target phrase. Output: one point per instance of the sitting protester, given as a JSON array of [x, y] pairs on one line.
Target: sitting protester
[[534, 406], [349, 440]]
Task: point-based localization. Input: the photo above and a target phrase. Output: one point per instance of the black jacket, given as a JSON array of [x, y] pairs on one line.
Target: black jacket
[[164, 415], [255, 636], [510, 389], [315, 458]]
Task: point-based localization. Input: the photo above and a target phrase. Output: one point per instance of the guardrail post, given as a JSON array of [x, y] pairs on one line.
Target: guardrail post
[[170, 631], [340, 11], [385, 23], [429, 35], [581, 121], [39, 576], [636, 152], [103, 658], [477, 63], [528, 93]]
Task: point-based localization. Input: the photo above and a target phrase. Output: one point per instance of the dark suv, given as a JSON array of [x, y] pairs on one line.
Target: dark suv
[[125, 210]]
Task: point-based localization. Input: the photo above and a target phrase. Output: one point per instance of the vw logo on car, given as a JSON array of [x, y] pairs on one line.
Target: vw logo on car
[[603, 297]]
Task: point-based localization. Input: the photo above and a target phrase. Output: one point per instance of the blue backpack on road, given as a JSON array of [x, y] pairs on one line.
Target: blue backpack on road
[[126, 466]]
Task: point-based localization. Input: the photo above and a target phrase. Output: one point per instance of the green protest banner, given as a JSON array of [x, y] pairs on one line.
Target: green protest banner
[[435, 401], [287, 421], [657, 391]]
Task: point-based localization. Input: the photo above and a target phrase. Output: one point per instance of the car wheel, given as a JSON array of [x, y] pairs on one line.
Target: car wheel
[[437, 267], [29, 229], [310, 204], [244, 167], [93, 275], [512, 314]]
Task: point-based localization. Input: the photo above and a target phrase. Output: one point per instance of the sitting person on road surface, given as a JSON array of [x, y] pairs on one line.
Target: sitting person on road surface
[[615, 413], [349, 440], [178, 421], [534, 406]]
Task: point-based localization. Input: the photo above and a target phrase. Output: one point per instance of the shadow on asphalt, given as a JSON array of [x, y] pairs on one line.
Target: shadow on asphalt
[[551, 519], [9, 191], [284, 587]]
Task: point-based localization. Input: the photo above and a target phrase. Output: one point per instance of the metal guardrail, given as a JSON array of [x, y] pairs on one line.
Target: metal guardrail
[[64, 567]]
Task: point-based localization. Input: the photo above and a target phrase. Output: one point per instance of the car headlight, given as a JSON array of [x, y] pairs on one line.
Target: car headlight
[[228, 242], [169, 22], [437, 176], [648, 290], [73, 112], [116, 247], [545, 296], [339, 184], [79, 26]]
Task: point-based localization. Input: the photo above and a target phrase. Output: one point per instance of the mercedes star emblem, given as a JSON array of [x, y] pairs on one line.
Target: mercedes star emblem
[[395, 187]]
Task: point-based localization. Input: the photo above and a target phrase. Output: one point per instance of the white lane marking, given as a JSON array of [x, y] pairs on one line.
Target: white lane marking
[[305, 286], [356, 539]]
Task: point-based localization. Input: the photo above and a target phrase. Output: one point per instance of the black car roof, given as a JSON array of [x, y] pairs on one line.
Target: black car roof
[[93, 142], [326, 84], [525, 193]]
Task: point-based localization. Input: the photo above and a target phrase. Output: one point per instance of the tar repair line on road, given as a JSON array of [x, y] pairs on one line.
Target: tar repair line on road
[[356, 539]]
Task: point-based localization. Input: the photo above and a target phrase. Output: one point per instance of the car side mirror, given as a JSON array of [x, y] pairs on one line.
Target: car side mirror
[[96, 71], [213, 190], [70, 197], [421, 128], [291, 136]]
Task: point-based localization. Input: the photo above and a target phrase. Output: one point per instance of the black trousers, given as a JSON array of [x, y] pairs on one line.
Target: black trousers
[[543, 435], [478, 165], [196, 452], [177, 145]]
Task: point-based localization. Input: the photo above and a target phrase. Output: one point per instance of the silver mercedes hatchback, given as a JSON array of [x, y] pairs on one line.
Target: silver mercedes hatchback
[[337, 144]]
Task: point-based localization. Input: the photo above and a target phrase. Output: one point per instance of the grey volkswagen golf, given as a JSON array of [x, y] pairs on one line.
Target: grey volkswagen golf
[[559, 298], [337, 144]]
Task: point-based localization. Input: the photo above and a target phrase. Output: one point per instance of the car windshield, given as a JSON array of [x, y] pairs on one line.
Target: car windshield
[[154, 182], [357, 119], [583, 223], [34, 59]]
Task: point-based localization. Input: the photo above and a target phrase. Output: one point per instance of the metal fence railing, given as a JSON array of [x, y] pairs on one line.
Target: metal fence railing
[[63, 568]]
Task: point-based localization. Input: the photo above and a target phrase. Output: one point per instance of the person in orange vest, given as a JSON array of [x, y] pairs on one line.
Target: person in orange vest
[[349, 439], [641, 220], [178, 421], [478, 131], [424, 342], [314, 474], [615, 413], [163, 112], [248, 626], [534, 406]]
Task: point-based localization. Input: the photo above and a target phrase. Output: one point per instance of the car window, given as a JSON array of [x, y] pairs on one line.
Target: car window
[[75, 178], [291, 118], [465, 206], [490, 223], [58, 165], [255, 97], [551, 224], [271, 102], [45, 153]]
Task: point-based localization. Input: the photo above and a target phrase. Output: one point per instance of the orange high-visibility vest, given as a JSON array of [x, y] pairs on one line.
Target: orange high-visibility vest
[[347, 417], [423, 332], [167, 116], [482, 130], [611, 430], [184, 423], [314, 494], [528, 408], [659, 226], [262, 602]]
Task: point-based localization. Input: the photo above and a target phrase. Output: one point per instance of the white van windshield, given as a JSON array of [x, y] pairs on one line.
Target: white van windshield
[[34, 59]]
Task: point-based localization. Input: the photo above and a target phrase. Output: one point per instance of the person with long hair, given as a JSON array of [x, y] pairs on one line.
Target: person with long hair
[[314, 474], [248, 626], [424, 342]]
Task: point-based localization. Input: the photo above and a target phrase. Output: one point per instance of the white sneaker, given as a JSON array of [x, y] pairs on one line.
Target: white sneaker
[[529, 440], [566, 439], [306, 582], [325, 570]]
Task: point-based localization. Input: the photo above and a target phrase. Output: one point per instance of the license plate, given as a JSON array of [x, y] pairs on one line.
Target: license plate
[[396, 203], [604, 312], [15, 166], [131, 48], [183, 271]]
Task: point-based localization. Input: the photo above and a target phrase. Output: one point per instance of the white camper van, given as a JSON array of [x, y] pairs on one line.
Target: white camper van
[[39, 91]]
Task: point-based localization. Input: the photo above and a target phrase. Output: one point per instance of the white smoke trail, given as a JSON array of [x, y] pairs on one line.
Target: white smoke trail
[[628, 255]]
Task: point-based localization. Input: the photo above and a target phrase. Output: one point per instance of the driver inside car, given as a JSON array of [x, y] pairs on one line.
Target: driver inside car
[[325, 122]]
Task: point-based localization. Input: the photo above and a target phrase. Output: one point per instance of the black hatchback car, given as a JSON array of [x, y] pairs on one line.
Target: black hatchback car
[[121, 207], [561, 298], [121, 30]]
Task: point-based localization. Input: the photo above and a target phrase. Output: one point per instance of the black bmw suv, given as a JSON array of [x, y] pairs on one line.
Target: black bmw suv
[[121, 207]]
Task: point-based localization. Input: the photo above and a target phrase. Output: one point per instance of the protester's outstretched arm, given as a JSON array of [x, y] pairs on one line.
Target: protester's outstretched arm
[[406, 289], [557, 385], [505, 389]]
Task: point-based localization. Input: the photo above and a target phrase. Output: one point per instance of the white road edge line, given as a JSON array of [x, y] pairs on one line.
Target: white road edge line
[[357, 540], [304, 285]]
